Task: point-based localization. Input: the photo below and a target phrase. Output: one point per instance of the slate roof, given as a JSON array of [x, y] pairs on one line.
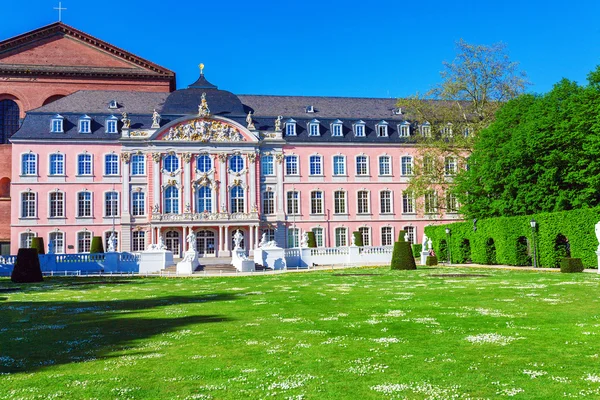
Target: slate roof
[[96, 102]]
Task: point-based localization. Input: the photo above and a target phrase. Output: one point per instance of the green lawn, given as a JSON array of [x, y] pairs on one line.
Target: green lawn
[[366, 333]]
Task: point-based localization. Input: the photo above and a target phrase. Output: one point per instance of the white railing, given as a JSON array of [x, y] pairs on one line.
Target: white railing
[[376, 250], [328, 251], [319, 256]]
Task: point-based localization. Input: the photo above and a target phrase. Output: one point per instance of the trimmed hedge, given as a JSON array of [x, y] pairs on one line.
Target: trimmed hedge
[[512, 238], [431, 260], [357, 238], [416, 249], [570, 265], [402, 257], [38, 244], [27, 267], [96, 246], [312, 241]]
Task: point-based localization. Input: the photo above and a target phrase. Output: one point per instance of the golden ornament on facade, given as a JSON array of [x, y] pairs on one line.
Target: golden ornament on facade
[[187, 157], [252, 157], [172, 182], [204, 130], [125, 157], [279, 157], [156, 157], [222, 157]]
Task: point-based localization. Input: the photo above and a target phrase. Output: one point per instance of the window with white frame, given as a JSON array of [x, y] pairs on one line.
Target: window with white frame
[[316, 202], [316, 165], [428, 165], [28, 208], [57, 124], [107, 239], [138, 165], [293, 237], [406, 165], [270, 234], [408, 202], [56, 241], [138, 240], [85, 124], [84, 164], [450, 165], [430, 202], [26, 238], [267, 165], [204, 199], [410, 232], [359, 129], [111, 124], [171, 200], [291, 165], [314, 128], [268, 202], [293, 203], [447, 130], [171, 163], [138, 204], [382, 129], [111, 204], [84, 204], [387, 238], [57, 205], [290, 128], [385, 201], [319, 236], [362, 165], [237, 199], [385, 165], [404, 129], [339, 165], [337, 128], [451, 203], [341, 237], [29, 164], [236, 163], [363, 202], [203, 163], [365, 232], [57, 164], [111, 164], [84, 241], [339, 202], [426, 129], [468, 131]]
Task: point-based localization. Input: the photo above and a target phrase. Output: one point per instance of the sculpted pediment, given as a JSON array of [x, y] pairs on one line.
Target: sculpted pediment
[[204, 130]]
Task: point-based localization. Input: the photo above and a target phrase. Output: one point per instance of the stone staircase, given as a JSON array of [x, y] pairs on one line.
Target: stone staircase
[[213, 266]]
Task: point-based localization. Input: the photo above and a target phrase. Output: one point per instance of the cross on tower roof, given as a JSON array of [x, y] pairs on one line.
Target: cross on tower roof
[[59, 8]]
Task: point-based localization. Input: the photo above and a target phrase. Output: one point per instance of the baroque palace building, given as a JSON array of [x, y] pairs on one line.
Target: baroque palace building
[[205, 161]]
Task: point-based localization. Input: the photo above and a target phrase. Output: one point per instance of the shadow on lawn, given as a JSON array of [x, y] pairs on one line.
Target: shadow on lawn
[[34, 335], [67, 283]]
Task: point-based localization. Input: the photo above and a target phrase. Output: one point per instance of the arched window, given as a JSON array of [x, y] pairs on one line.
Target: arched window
[[237, 200], [203, 163], [171, 200], [9, 119], [204, 203]]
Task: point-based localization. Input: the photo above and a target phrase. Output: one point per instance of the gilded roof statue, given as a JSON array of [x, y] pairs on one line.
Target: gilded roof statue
[[203, 110]]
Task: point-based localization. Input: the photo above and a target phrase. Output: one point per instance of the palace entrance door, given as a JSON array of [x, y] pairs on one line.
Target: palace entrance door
[[172, 242], [205, 243]]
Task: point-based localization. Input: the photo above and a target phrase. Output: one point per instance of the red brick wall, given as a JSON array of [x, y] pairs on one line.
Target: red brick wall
[[5, 173]]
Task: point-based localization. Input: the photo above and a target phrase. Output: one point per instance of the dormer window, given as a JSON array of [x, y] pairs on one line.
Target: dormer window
[[57, 124], [336, 128], [314, 128], [426, 129], [113, 104], [398, 111], [310, 109], [447, 130], [359, 129], [382, 129], [404, 129], [290, 128], [111, 124], [85, 124]]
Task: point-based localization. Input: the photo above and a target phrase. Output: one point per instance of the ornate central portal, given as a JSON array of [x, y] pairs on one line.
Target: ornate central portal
[[205, 243]]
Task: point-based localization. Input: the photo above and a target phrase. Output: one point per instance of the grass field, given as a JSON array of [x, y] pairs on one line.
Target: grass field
[[366, 333]]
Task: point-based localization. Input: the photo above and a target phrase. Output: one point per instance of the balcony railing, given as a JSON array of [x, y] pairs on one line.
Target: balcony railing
[[204, 216]]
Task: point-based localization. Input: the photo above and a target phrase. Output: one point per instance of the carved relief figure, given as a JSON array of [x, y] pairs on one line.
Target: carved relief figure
[[249, 121], [191, 239], [155, 119], [237, 239]]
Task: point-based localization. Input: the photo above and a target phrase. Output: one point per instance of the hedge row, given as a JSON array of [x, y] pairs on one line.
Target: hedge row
[[507, 240]]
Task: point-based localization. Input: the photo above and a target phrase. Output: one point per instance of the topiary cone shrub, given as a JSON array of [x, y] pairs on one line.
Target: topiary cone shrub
[[38, 244], [357, 238], [570, 265], [402, 257], [312, 241], [96, 246], [27, 267]]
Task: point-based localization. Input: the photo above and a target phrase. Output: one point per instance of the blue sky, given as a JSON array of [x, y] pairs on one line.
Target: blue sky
[[329, 48]]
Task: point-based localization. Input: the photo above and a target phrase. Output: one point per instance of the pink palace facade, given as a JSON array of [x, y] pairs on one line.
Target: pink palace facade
[[205, 161]]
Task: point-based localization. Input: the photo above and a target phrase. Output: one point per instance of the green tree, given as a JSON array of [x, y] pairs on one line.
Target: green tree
[[473, 87]]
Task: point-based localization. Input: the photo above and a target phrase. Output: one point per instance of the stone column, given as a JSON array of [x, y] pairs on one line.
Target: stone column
[[251, 238], [156, 181], [252, 192], [223, 178], [187, 180], [280, 197], [226, 242], [256, 235], [220, 240]]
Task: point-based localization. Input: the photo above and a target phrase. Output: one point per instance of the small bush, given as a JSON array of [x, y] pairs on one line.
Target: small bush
[[38, 243], [27, 267], [570, 265], [357, 238], [416, 249], [96, 246], [431, 260], [312, 241]]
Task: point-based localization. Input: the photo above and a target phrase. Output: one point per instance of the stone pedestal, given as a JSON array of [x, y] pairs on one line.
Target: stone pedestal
[[189, 263], [270, 257], [424, 255], [598, 254], [153, 261]]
